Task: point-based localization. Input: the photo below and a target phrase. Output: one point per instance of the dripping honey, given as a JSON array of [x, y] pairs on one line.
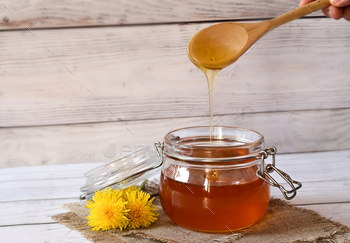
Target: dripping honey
[[210, 75]]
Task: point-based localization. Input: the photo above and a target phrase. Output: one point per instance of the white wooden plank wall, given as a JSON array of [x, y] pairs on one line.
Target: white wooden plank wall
[[302, 131], [143, 73], [67, 93], [56, 13]]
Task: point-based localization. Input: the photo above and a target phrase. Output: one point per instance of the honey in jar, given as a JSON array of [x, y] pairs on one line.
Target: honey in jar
[[209, 183]]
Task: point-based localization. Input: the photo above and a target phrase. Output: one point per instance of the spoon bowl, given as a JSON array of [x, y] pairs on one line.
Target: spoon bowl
[[220, 45]]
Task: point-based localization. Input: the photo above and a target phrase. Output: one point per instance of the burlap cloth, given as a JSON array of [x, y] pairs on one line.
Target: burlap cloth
[[282, 222]]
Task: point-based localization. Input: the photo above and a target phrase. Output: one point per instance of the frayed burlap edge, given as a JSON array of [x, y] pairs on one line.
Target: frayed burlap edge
[[306, 224], [281, 223]]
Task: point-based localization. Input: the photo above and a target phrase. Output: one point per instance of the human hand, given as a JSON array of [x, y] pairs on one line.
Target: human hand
[[337, 9]]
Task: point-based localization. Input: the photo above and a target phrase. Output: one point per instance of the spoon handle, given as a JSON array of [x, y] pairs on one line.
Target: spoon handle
[[299, 12]]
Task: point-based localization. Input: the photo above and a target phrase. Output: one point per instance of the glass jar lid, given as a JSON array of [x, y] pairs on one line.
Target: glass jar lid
[[123, 172]]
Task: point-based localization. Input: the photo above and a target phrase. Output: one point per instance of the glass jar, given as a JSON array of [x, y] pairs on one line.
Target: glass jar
[[210, 184], [216, 183]]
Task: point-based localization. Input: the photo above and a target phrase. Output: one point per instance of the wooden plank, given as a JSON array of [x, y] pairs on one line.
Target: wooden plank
[[301, 131], [58, 233], [322, 166], [55, 13], [41, 189], [46, 172], [300, 165], [338, 212], [311, 192], [28, 217], [142, 72], [40, 211], [317, 192], [316, 187], [47, 187], [45, 233], [31, 212]]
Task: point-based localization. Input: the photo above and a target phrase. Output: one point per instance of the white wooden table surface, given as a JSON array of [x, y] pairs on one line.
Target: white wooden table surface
[[31, 195]]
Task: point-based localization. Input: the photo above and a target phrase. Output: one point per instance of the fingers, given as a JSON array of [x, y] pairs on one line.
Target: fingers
[[346, 13], [340, 3], [304, 2], [334, 12], [338, 8], [325, 12]]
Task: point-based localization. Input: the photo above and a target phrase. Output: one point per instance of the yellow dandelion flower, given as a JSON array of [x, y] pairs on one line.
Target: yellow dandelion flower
[[107, 210], [141, 213], [128, 190]]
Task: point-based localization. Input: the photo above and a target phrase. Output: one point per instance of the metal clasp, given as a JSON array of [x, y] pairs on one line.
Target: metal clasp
[[269, 168]]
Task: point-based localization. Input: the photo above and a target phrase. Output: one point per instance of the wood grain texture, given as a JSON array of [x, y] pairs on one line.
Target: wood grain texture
[[47, 172], [55, 13], [334, 161], [40, 211], [326, 192], [338, 212], [56, 233], [31, 212], [43, 233], [26, 214], [43, 189], [297, 131], [143, 73], [318, 192], [330, 189]]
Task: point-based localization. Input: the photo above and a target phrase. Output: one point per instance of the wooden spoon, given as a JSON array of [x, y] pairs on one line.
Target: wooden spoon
[[220, 45]]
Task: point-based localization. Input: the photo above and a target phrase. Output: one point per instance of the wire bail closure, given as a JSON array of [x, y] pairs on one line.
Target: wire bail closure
[[269, 168]]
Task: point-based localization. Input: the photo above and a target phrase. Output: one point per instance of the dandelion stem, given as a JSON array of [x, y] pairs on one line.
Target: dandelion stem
[[143, 184]]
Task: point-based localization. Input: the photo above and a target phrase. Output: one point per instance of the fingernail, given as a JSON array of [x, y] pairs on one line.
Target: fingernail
[[334, 1], [329, 12]]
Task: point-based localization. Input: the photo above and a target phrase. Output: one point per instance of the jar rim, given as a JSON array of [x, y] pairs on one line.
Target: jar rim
[[226, 139]]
